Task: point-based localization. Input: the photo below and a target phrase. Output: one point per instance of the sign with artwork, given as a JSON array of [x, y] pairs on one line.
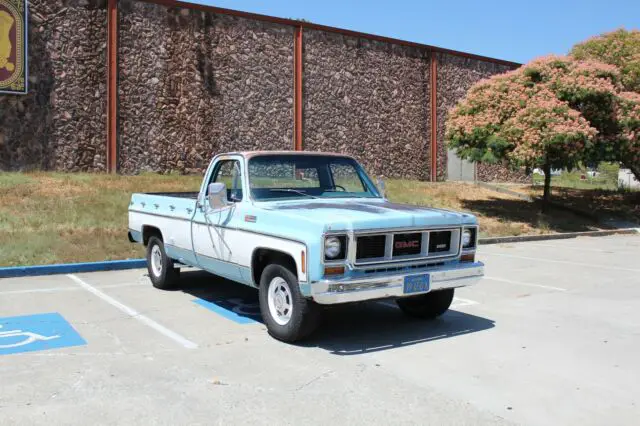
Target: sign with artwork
[[13, 46]]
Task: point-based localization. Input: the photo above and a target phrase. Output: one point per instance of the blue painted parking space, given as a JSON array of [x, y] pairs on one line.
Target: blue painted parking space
[[39, 332], [237, 310]]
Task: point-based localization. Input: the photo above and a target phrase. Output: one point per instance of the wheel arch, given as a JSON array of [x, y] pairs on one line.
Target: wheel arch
[[264, 256], [149, 231]]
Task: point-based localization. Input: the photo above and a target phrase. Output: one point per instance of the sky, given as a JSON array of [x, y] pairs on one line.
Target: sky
[[513, 30]]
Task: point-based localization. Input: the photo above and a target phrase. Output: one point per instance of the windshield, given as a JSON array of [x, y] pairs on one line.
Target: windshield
[[307, 176]]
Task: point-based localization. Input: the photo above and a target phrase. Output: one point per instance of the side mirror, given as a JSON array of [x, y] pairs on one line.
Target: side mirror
[[217, 195], [381, 187]]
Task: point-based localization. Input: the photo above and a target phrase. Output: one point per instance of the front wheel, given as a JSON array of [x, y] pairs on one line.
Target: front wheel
[[286, 313], [426, 306], [162, 273]]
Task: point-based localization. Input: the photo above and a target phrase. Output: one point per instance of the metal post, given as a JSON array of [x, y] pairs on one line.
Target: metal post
[[112, 86], [297, 83], [434, 116]]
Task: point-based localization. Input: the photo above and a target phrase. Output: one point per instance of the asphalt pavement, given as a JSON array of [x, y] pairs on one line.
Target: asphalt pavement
[[550, 336]]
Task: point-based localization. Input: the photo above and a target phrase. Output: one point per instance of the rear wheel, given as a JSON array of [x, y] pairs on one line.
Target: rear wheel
[[288, 315], [427, 306], [162, 272]]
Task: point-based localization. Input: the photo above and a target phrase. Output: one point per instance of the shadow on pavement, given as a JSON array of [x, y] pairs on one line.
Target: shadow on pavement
[[346, 329], [380, 325], [237, 298]]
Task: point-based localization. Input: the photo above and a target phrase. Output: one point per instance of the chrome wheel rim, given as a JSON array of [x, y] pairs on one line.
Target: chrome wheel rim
[[280, 301], [156, 260]]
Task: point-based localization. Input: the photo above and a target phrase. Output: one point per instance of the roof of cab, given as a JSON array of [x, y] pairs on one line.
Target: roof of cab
[[249, 154]]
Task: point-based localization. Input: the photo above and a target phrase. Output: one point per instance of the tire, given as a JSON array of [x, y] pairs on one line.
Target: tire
[[426, 306], [162, 273], [288, 315]]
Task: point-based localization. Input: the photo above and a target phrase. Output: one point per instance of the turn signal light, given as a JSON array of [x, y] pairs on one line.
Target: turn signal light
[[334, 270], [470, 257]]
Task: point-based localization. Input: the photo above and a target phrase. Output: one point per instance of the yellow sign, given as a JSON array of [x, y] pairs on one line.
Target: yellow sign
[[13, 46]]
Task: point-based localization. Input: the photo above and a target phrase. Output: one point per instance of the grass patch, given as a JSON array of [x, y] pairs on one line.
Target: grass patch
[[50, 218], [607, 179]]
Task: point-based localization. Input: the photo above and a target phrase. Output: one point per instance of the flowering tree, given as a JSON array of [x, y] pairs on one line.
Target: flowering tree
[[551, 113], [620, 48]]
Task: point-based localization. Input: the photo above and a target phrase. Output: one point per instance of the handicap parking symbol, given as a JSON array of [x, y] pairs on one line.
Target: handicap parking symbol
[[29, 333], [236, 309]]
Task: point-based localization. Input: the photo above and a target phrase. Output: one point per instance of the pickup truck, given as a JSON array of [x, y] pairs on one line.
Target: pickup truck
[[306, 230]]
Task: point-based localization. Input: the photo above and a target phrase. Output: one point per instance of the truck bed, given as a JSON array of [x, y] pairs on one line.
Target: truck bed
[[189, 195], [179, 205]]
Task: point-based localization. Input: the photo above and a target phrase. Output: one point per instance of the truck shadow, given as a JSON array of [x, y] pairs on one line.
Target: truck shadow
[[351, 329], [379, 326]]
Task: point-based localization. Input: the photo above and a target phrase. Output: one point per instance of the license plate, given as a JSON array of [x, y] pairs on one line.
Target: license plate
[[416, 283]]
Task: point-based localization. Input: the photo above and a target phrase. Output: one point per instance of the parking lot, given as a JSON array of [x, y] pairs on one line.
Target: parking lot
[[550, 336]]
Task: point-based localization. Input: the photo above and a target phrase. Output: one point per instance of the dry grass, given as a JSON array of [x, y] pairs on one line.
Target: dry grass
[[54, 217], [498, 214]]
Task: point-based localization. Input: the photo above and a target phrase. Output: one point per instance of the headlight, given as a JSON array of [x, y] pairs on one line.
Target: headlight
[[332, 247], [468, 238]]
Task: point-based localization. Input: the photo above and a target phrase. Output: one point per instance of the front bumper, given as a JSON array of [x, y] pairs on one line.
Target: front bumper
[[327, 292]]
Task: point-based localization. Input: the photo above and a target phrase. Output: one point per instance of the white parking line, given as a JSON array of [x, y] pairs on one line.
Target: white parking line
[[135, 314], [457, 301], [567, 247], [561, 247], [548, 287], [55, 289], [566, 262]]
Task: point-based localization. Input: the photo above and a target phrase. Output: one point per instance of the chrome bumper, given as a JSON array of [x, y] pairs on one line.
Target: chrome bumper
[[327, 292]]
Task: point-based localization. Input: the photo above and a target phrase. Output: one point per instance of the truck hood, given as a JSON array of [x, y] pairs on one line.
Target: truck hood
[[359, 214]]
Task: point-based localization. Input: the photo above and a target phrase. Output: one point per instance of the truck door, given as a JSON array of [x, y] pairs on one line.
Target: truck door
[[210, 228]]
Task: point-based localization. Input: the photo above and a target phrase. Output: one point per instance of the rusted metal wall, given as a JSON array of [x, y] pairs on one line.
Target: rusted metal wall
[[368, 99], [60, 123], [193, 84]]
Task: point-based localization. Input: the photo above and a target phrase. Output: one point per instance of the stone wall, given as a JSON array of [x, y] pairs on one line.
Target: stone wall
[[194, 84], [61, 123], [367, 99], [456, 75]]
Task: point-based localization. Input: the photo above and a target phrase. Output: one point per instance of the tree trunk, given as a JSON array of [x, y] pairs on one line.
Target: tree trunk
[[547, 187]]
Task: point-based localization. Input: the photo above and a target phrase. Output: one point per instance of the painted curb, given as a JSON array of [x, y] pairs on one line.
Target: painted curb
[[70, 268], [563, 236]]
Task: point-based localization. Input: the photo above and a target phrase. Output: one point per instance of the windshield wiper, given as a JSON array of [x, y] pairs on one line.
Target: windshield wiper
[[295, 191]]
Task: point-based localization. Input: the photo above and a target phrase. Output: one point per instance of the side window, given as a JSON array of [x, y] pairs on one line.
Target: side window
[[228, 172]]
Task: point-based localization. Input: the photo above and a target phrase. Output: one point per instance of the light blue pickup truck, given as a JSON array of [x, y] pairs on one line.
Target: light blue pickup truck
[[306, 230]]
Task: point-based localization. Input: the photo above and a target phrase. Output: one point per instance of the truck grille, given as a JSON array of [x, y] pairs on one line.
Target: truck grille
[[371, 247], [407, 244], [439, 241]]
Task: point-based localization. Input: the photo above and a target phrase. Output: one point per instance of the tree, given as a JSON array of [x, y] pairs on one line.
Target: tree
[[620, 48], [551, 113]]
